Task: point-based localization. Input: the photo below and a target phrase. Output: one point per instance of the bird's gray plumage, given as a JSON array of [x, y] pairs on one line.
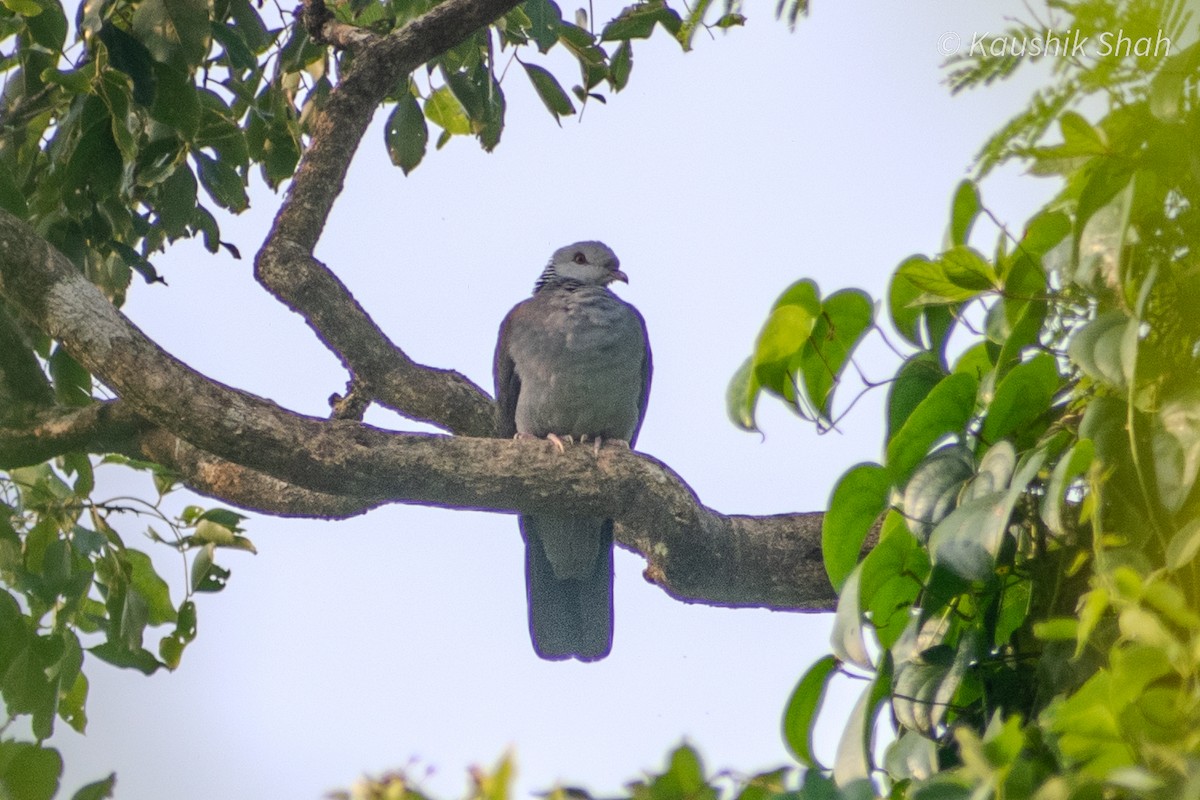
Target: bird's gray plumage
[[572, 360]]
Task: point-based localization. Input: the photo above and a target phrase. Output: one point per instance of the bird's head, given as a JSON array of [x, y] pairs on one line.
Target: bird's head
[[586, 263]]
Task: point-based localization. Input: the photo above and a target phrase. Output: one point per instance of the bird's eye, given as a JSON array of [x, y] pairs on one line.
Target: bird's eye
[[580, 258]]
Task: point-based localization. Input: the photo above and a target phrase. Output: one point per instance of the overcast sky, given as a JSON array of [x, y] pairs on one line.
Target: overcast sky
[[719, 177]]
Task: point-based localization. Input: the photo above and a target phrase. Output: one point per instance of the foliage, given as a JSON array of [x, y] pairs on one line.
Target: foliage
[[141, 124], [74, 586], [1028, 621], [1028, 617], [683, 778]]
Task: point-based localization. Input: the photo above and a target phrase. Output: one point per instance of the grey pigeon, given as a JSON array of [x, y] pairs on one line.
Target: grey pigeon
[[572, 365]]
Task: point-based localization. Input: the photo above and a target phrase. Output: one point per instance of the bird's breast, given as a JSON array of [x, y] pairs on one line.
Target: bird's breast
[[581, 369]]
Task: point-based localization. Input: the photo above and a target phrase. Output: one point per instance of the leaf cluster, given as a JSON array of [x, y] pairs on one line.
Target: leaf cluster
[[70, 586], [1028, 623]]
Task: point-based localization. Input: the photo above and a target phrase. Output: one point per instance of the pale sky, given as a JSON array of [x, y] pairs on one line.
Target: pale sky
[[719, 177]]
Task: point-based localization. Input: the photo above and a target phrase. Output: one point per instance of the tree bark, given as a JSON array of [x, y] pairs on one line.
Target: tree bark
[[250, 452]]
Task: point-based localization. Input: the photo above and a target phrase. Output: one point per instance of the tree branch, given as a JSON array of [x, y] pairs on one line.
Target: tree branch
[[285, 264], [693, 552], [323, 28], [52, 431]]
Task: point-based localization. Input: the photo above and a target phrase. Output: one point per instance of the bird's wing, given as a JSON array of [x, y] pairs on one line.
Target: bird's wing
[[508, 382], [647, 374]]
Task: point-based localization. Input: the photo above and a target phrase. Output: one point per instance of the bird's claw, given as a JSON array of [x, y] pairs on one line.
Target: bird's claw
[[600, 441], [558, 441]]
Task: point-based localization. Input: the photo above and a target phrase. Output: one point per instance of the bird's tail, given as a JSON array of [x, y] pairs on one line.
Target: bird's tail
[[568, 582]]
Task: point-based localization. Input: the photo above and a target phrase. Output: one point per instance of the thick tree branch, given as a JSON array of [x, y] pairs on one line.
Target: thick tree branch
[[113, 427], [245, 488], [49, 432], [285, 264], [693, 552]]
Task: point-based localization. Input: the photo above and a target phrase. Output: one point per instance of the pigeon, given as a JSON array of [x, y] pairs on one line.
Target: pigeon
[[572, 365]]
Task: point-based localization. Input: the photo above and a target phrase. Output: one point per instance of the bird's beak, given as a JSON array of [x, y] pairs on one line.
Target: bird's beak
[[617, 275]]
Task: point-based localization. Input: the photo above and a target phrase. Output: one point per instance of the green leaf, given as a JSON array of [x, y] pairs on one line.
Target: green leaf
[[911, 757], [72, 383], [12, 199], [26, 8], [958, 274], [406, 134], [637, 22], [1101, 223], [1021, 330], [853, 762], [152, 588], [845, 318], [222, 182], [967, 269], [224, 517], [483, 100], [778, 349], [945, 410], [1061, 629], [858, 500], [176, 32], [98, 790], [1014, 608], [1176, 446], [1167, 88], [219, 130], [620, 66], [968, 540], [1045, 231], [913, 383], [176, 102], [120, 656], [177, 201], [847, 639], [802, 709], [1184, 545], [49, 28], [28, 771], [95, 166], [892, 577], [72, 704], [906, 315], [545, 18], [1097, 348], [548, 89], [135, 261], [444, 110], [975, 361], [932, 491], [206, 575], [1073, 464], [1023, 395], [925, 685], [741, 397], [995, 472], [237, 51], [130, 56], [684, 776], [783, 336], [963, 212]]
